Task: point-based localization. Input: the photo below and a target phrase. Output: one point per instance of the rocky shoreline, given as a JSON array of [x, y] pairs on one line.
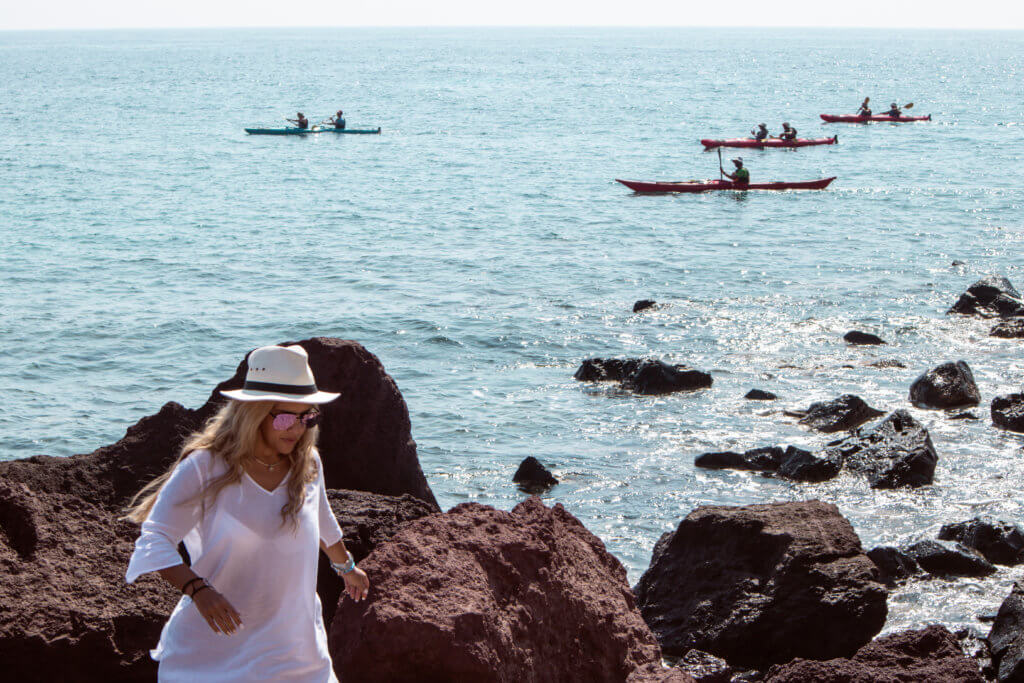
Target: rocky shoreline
[[769, 592]]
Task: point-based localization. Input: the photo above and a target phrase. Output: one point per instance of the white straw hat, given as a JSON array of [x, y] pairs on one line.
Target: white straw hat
[[280, 373]]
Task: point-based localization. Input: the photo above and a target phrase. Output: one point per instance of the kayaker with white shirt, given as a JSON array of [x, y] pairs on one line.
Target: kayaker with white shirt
[[788, 132], [741, 176], [760, 133], [300, 121]]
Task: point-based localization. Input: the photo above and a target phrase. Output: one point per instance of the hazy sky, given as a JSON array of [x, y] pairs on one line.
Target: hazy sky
[[49, 14]]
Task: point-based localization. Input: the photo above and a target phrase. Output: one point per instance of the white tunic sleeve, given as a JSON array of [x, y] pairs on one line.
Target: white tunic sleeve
[[175, 513], [330, 531]]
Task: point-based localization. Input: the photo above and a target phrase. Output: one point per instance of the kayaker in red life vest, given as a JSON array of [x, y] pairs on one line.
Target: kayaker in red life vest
[[788, 132], [760, 133], [300, 121], [338, 120], [894, 111], [864, 110], [741, 176]]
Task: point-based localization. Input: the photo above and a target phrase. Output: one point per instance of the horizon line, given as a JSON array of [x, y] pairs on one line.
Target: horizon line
[[953, 29]]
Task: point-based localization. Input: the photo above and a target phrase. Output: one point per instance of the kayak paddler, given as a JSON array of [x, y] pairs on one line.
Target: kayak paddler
[[894, 111], [788, 132], [741, 176], [760, 133], [338, 120], [300, 121], [864, 110]]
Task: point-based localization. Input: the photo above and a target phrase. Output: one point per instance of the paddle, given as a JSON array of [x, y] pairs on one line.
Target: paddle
[[721, 171], [908, 106]]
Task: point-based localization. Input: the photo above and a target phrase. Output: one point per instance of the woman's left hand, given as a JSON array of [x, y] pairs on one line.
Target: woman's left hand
[[357, 584]]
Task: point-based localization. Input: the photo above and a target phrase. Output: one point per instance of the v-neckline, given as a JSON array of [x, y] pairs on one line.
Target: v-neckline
[[267, 491]]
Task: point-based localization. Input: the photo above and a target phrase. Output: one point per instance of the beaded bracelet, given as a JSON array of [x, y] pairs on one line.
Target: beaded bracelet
[[347, 567]]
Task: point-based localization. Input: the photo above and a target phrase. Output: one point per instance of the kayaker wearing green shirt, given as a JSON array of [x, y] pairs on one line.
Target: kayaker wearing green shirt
[[338, 120], [788, 132], [864, 110], [741, 176], [300, 121], [760, 133]]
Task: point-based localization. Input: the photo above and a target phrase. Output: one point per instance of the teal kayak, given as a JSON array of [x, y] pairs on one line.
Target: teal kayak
[[309, 131]]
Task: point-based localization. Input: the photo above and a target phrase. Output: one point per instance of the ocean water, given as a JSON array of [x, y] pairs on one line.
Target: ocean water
[[481, 248]]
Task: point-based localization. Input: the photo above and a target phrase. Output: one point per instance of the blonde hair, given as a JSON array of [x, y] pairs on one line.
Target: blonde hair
[[231, 436]]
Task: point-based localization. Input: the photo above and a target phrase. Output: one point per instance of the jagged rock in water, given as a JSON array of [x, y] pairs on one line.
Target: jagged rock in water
[[893, 564], [1008, 329], [990, 297], [1008, 412], [800, 465], [857, 337], [998, 542], [759, 395], [605, 369], [644, 304], [839, 414], [898, 452], [1006, 639], [949, 559], [757, 459], [656, 377], [946, 386], [533, 476]]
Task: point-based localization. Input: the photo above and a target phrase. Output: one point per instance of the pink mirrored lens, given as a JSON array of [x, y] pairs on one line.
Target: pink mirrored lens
[[284, 421]]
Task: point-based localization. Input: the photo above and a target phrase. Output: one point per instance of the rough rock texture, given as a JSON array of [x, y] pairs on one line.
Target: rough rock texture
[[990, 297], [644, 304], [367, 519], [865, 338], [760, 395], [762, 584], [888, 363], [975, 646], [949, 559], [1008, 412], [893, 564], [898, 452], [65, 608], [998, 542], [365, 440], [478, 594], [947, 386], [704, 667], [800, 465], [1006, 639], [840, 414], [966, 415], [605, 369], [533, 476], [1008, 329], [791, 463], [656, 377], [656, 673], [931, 655]]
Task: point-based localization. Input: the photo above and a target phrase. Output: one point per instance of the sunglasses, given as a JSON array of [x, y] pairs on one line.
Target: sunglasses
[[283, 421]]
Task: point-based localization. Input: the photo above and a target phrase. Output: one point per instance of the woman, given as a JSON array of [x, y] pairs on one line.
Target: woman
[[247, 496], [865, 108]]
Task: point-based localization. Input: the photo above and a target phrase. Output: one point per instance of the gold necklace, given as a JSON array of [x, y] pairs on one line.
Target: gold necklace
[[269, 466]]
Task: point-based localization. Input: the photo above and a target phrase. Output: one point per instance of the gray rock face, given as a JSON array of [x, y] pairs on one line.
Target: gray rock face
[[998, 542], [762, 584], [898, 452], [839, 414], [949, 385], [990, 297], [949, 559], [893, 564], [1008, 412], [862, 338], [1006, 639], [1008, 329]]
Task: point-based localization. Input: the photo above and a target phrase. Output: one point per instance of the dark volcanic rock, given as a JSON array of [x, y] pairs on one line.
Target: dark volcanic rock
[[655, 672], [478, 594], [1008, 329], [966, 415], [840, 414], [998, 542], [888, 363], [949, 559], [367, 519], [931, 655], [1008, 412], [800, 465], [1006, 639], [975, 646], [858, 337], [947, 386], [365, 440], [757, 459], [893, 564], [704, 667], [898, 452], [656, 377], [532, 475], [605, 369], [762, 584], [990, 297], [759, 395], [66, 613], [644, 304]]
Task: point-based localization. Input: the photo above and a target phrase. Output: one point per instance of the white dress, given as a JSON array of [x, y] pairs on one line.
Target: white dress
[[265, 570]]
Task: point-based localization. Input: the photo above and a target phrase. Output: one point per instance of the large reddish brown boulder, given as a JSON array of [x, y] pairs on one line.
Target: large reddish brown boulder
[[761, 584], [931, 655], [365, 442], [66, 613], [483, 595]]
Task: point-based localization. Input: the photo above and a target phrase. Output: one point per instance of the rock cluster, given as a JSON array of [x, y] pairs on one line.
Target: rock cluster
[[789, 463], [1008, 329], [998, 542], [643, 376], [840, 414], [898, 452], [990, 297]]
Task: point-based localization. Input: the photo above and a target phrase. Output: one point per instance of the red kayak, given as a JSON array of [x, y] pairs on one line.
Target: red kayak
[[706, 185], [853, 118], [770, 142]]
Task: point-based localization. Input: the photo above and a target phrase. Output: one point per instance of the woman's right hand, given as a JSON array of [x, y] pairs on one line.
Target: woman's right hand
[[217, 611]]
